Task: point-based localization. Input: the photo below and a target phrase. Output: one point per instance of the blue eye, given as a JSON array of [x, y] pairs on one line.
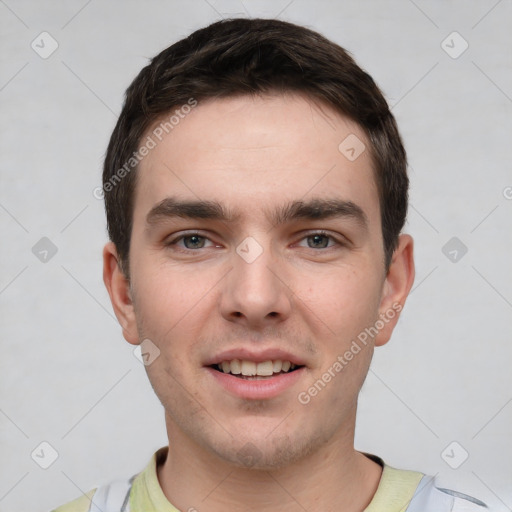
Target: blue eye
[[196, 241], [318, 241], [191, 241]]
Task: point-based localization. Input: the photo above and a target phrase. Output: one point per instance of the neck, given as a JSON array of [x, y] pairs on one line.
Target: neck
[[194, 479]]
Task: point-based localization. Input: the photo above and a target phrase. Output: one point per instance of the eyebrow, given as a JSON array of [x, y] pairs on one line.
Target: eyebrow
[[320, 209], [315, 209]]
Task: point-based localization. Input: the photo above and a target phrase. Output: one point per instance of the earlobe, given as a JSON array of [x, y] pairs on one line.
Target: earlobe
[[396, 288], [118, 287]]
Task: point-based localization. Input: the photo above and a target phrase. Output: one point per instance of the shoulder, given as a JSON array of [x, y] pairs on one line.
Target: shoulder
[[429, 496], [412, 491], [81, 504], [117, 494], [113, 496]]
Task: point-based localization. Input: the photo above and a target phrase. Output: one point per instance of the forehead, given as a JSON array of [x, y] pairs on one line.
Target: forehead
[[252, 153]]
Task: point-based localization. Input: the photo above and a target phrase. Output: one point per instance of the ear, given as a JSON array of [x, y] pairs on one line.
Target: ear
[[118, 288], [396, 288]]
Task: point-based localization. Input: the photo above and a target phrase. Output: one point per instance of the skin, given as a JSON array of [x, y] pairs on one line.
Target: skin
[[253, 155]]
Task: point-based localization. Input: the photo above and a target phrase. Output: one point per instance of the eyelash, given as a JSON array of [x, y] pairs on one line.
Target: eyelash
[[174, 242]]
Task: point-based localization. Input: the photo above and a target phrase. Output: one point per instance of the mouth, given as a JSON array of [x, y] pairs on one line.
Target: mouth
[[250, 370], [250, 374]]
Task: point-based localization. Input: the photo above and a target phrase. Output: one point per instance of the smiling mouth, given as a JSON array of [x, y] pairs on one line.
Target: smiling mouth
[[250, 370]]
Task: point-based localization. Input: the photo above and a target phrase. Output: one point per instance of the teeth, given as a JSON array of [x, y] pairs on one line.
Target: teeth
[[278, 365], [236, 367], [251, 369], [265, 369], [248, 368]]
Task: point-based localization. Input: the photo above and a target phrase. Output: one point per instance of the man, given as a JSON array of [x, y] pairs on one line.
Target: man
[[255, 188]]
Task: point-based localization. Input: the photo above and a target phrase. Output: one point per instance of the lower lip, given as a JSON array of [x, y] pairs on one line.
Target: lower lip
[[256, 389]]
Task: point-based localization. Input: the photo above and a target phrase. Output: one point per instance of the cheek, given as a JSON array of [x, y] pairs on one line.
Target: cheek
[[346, 301], [169, 298], [172, 307]]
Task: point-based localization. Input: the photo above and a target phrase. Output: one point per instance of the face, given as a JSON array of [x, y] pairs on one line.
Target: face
[[256, 263]]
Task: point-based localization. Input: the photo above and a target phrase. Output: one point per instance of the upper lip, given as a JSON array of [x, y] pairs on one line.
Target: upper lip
[[257, 356]]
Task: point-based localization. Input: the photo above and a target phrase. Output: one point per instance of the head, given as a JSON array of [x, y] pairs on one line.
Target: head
[[251, 57], [255, 189]]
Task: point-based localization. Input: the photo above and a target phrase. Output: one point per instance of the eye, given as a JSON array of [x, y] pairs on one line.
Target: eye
[[194, 241], [319, 240], [191, 241]]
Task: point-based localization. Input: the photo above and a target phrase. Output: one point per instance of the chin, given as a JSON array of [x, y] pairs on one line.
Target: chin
[[265, 454]]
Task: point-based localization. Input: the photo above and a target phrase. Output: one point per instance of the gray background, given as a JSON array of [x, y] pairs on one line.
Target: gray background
[[68, 378]]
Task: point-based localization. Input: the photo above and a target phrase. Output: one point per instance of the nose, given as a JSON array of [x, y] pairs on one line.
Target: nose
[[256, 293]]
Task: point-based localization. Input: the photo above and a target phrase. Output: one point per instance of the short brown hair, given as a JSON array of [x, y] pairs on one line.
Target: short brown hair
[[253, 56]]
